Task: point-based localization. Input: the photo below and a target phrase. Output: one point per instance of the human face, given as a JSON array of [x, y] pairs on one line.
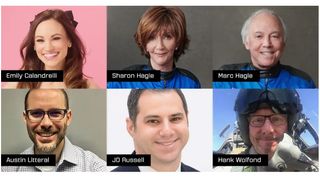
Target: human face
[[51, 44], [265, 41], [161, 128], [161, 49], [47, 135], [265, 139]]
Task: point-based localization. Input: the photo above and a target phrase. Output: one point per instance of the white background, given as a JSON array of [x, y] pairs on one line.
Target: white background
[[198, 151]]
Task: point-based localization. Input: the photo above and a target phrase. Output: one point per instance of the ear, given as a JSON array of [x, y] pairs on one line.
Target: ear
[[24, 117], [130, 126], [69, 45], [246, 44], [69, 117]]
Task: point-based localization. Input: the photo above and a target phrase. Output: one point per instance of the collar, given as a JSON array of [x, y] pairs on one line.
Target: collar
[[164, 75], [150, 169], [273, 72], [68, 153]]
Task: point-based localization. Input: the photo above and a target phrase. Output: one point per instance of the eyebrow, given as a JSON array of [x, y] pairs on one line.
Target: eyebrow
[[56, 34], [177, 115], [156, 116]]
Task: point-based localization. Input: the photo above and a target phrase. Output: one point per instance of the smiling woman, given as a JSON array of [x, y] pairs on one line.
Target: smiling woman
[[52, 43], [162, 38]]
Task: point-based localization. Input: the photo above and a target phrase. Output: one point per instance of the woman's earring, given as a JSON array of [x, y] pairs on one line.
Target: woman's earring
[[69, 46]]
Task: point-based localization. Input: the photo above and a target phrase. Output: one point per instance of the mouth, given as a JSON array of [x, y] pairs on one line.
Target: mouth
[[45, 137], [267, 53], [50, 56], [160, 54], [167, 143]]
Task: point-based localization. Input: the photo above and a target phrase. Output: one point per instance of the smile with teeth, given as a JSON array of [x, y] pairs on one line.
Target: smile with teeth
[[45, 137], [166, 143], [267, 52], [50, 55], [45, 134]]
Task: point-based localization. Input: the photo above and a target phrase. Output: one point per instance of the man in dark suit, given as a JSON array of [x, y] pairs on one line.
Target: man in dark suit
[[158, 124]]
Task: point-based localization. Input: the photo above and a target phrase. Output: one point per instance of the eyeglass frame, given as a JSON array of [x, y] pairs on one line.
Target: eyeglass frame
[[265, 117], [65, 111]]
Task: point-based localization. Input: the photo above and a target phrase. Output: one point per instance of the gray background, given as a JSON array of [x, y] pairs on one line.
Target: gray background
[[301, 50], [123, 51], [87, 129]]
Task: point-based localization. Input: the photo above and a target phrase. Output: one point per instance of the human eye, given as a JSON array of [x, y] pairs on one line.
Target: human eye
[[176, 119], [275, 36], [56, 38], [152, 122], [256, 120], [258, 36], [56, 113], [168, 36], [152, 37], [277, 119], [39, 40], [36, 113]]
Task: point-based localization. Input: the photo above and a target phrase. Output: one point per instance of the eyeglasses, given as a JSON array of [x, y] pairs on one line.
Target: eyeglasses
[[275, 119], [36, 115]]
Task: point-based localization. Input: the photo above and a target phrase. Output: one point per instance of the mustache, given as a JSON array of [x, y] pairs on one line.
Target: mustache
[[45, 131], [269, 138]]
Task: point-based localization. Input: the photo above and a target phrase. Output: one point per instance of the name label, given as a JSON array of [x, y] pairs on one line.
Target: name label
[[128, 160], [236, 76], [133, 76], [239, 160], [32, 75], [27, 160]]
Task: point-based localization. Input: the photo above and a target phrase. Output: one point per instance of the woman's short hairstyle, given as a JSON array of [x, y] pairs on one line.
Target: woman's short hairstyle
[[162, 19], [73, 76]]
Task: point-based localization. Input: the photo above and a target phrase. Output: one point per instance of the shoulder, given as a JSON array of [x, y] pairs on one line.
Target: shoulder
[[238, 66], [10, 85], [296, 72], [91, 84], [186, 168], [94, 162], [126, 169], [188, 74]]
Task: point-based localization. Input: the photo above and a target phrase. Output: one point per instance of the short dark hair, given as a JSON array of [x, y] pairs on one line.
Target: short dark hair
[[134, 97], [62, 90]]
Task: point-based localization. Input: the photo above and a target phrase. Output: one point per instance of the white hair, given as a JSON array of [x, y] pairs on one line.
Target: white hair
[[247, 23]]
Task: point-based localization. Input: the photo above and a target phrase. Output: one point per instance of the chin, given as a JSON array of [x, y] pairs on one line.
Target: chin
[[46, 148]]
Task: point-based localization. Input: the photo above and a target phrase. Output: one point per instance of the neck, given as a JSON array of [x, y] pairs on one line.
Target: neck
[[171, 166], [162, 68], [50, 85], [57, 152], [57, 67]]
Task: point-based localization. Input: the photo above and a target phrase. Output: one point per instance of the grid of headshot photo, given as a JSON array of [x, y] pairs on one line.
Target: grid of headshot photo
[[207, 89]]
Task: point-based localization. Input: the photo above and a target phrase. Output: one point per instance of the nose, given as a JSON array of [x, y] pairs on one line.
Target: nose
[[166, 129], [267, 42], [48, 46], [159, 43], [46, 123], [267, 127]]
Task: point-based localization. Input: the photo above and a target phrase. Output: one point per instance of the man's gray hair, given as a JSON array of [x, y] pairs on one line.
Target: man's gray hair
[[247, 23]]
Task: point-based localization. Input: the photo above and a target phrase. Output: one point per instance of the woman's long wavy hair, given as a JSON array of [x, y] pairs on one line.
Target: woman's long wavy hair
[[73, 76]]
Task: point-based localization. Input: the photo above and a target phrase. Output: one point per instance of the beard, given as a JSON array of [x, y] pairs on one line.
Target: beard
[[47, 148]]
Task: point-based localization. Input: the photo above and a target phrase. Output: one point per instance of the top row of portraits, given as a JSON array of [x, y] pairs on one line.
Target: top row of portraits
[[159, 47]]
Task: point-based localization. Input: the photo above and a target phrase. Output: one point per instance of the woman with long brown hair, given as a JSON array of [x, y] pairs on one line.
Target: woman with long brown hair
[[52, 43]]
